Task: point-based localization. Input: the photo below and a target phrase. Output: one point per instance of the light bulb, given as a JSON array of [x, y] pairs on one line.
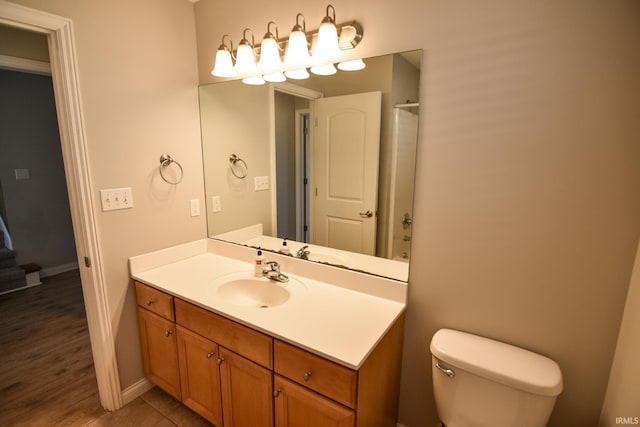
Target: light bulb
[[224, 64], [299, 74], [353, 65], [324, 70], [245, 60], [276, 77]]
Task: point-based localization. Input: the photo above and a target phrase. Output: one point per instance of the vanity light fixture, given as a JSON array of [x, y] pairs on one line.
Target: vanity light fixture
[[224, 60], [327, 45], [297, 56], [270, 64], [353, 65], [245, 56]]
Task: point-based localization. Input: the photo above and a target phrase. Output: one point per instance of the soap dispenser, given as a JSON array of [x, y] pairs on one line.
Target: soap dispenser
[[258, 266], [285, 249]]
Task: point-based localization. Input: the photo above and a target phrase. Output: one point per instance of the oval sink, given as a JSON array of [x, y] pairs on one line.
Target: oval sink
[[243, 289], [258, 292]]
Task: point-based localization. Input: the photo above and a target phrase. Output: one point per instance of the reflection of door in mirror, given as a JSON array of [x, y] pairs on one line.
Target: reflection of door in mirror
[[345, 172], [329, 197]]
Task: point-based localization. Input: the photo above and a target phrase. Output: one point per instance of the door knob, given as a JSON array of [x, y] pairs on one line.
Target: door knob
[[367, 214]]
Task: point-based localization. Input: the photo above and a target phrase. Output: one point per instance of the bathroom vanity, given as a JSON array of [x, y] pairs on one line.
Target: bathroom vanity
[[323, 349]]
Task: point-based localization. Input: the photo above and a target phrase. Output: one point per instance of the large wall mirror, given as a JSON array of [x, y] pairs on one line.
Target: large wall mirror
[[326, 163]]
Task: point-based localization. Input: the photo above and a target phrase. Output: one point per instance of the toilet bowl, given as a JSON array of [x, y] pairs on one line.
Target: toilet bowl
[[480, 382]]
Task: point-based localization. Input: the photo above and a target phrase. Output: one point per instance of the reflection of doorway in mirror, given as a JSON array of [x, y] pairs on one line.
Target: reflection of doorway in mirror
[[405, 137]]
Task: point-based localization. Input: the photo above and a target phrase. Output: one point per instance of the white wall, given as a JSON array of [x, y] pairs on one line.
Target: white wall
[[527, 208], [138, 83], [622, 399]]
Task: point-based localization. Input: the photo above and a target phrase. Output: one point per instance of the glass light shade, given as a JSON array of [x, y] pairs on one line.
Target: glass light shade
[[353, 65], [297, 54], [245, 60], [324, 70], [224, 64], [276, 77], [299, 74], [269, 56], [255, 80], [327, 47]]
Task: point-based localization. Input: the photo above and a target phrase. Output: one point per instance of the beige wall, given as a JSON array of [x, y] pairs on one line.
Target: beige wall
[[528, 173], [623, 393], [23, 44], [138, 83], [527, 200], [235, 121]]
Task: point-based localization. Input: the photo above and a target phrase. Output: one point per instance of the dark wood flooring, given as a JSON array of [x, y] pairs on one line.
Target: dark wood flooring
[[46, 366], [47, 376]]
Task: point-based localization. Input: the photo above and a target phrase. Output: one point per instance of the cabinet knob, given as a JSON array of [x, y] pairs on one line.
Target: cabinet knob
[[276, 392], [167, 333], [220, 360], [307, 375], [210, 355], [149, 302]]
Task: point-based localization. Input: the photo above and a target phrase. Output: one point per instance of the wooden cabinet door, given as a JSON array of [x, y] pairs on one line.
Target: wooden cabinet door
[[297, 406], [200, 375], [160, 351], [247, 392]]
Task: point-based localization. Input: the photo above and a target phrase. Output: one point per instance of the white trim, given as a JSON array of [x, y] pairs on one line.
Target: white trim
[[299, 156], [291, 89], [27, 286], [299, 91], [273, 176], [57, 269], [136, 390], [73, 142], [25, 65]]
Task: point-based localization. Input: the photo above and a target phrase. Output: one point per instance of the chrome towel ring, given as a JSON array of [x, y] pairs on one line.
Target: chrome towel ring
[[165, 161], [235, 160]]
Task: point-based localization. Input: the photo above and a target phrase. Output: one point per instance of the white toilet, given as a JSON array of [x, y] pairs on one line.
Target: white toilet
[[479, 382]]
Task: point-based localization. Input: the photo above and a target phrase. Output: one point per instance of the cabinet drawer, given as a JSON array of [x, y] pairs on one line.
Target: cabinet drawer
[[245, 341], [319, 374], [155, 301]]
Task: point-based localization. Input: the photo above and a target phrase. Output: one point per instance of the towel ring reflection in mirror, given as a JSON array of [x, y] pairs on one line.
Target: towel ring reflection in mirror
[[238, 171], [165, 161]]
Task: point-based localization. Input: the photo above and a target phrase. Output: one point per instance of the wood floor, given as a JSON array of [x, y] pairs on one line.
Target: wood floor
[[47, 376]]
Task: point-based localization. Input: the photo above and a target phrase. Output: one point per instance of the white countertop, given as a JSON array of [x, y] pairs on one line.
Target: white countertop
[[341, 317]]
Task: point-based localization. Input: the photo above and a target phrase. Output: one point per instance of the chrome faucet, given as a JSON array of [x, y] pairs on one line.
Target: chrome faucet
[[272, 272], [303, 252]]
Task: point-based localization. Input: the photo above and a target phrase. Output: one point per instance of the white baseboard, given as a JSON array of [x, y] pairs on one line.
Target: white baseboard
[[136, 390], [21, 288], [57, 269]]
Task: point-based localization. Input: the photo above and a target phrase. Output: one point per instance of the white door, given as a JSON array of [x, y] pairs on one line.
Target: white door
[[345, 172]]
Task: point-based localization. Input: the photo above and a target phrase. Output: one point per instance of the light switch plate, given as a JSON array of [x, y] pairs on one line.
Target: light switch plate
[[261, 183], [195, 207], [215, 204], [116, 198]]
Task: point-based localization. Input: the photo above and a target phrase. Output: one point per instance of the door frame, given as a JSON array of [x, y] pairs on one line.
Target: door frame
[[300, 92], [64, 73]]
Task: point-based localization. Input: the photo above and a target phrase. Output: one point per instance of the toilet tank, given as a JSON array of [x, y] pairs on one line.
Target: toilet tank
[[480, 382]]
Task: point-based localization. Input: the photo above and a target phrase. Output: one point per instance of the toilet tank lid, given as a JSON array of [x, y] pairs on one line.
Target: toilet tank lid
[[498, 361]]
